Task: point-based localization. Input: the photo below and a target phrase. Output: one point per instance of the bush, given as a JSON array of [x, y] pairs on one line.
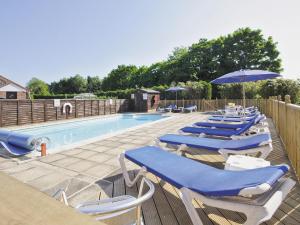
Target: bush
[[235, 91], [56, 96], [281, 87]]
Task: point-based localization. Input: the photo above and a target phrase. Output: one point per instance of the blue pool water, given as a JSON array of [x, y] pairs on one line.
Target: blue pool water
[[64, 134]]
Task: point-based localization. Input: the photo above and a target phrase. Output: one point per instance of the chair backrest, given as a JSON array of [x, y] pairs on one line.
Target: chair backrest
[[246, 126]]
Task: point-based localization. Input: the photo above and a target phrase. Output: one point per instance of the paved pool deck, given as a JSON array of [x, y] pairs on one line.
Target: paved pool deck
[[82, 170]]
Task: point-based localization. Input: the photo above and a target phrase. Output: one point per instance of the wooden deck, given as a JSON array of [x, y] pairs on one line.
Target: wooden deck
[[166, 208]]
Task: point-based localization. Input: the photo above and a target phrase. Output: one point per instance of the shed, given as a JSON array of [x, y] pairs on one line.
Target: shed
[[146, 100]]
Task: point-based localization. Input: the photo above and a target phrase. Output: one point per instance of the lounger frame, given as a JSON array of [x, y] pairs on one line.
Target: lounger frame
[[265, 148], [257, 211]]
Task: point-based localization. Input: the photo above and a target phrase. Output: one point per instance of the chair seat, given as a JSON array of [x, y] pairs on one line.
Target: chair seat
[[216, 144], [220, 125], [209, 131], [206, 180]]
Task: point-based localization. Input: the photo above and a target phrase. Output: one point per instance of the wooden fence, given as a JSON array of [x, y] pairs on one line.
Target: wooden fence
[[19, 112], [286, 117]]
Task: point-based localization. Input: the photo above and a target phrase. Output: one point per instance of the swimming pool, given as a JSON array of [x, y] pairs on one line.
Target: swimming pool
[[68, 134]]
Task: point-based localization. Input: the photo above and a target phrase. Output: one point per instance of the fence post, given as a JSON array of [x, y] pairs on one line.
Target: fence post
[[32, 111], [45, 111], [18, 112], [98, 102], [0, 113], [83, 108], [76, 114]]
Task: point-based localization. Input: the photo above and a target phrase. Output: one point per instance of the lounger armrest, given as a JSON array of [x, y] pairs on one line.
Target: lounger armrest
[[255, 190], [263, 149], [119, 203]]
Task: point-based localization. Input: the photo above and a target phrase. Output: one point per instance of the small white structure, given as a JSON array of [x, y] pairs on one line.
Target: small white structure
[[67, 104], [85, 96]]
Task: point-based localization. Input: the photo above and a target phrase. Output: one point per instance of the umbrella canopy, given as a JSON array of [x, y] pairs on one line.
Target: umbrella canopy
[[245, 76], [175, 89], [242, 76]]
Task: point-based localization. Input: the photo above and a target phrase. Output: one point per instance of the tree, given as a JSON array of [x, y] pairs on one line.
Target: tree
[[72, 85], [38, 87], [204, 60], [119, 78], [93, 84], [281, 87]]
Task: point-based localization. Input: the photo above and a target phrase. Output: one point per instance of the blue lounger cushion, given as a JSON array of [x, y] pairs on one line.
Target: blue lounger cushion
[[216, 144], [238, 117], [219, 125], [14, 150], [201, 178], [231, 119], [228, 125], [16, 143], [218, 132]]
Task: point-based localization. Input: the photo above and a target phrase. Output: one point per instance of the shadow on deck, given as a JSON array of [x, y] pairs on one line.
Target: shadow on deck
[[166, 208]]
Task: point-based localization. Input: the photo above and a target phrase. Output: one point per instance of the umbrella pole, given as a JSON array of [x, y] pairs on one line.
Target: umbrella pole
[[176, 98], [244, 99]]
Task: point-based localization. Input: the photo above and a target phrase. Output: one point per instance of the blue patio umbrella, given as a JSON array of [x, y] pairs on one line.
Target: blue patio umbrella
[[176, 89], [242, 76]]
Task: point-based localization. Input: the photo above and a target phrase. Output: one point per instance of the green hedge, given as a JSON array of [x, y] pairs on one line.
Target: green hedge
[[195, 90]]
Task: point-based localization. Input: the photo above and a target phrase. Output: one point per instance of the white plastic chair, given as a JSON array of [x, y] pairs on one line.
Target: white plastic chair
[[122, 210]]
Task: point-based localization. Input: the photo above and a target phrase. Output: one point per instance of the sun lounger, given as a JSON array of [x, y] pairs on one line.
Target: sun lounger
[[190, 108], [170, 108], [247, 128], [239, 117], [257, 193], [261, 143], [235, 116], [235, 126]]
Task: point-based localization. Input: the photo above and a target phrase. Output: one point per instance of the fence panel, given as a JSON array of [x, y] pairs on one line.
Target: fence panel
[[19, 112]]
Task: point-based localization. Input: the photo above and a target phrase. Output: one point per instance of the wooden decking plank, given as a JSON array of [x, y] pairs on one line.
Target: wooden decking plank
[[291, 207], [233, 217], [285, 218], [133, 191], [119, 188], [164, 209], [176, 203], [273, 221], [150, 214], [213, 213]]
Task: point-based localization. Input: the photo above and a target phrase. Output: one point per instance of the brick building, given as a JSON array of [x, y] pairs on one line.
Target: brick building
[[11, 90]]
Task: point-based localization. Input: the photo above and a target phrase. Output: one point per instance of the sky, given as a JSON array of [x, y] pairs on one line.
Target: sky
[[52, 39]]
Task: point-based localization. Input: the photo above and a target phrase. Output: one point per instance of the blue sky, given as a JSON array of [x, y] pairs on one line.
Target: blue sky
[[51, 39]]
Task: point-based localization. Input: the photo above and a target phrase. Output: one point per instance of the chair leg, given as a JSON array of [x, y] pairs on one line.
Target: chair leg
[[128, 181], [187, 201], [255, 217]]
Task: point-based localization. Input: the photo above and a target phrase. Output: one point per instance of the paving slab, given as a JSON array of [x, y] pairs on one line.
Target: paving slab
[[65, 162], [52, 158], [99, 158], [73, 151], [101, 170], [86, 154], [48, 181], [81, 165], [31, 174]]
